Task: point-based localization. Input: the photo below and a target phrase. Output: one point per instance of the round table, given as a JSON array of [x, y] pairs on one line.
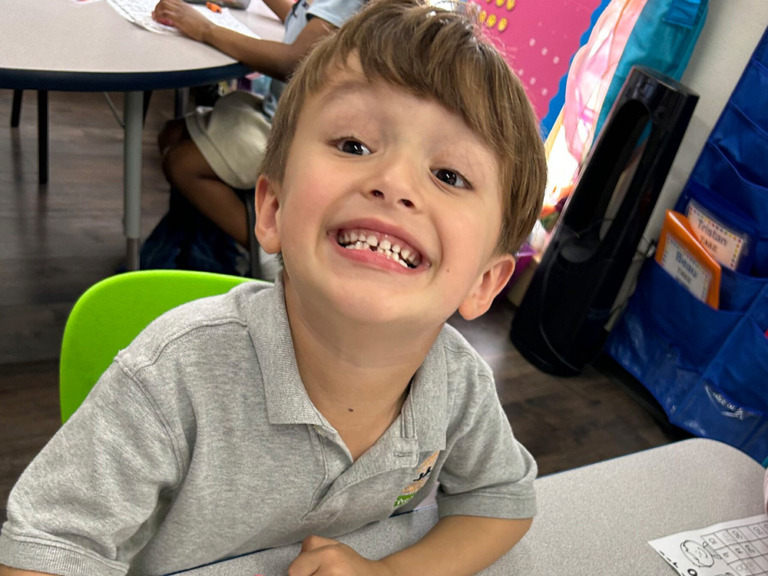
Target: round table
[[60, 45]]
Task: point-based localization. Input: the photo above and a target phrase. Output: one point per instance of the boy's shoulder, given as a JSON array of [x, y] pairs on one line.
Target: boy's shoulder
[[454, 385], [207, 324]]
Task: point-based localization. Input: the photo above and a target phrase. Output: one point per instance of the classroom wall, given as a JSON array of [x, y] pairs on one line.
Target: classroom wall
[[730, 34]]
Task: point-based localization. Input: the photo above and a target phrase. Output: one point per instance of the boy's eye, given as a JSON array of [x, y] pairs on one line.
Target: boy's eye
[[349, 146], [451, 178]]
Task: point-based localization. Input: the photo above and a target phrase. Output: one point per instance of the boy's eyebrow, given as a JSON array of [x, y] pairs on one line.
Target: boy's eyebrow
[[339, 91]]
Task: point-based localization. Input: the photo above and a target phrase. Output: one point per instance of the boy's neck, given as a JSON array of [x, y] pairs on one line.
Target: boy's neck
[[357, 377]]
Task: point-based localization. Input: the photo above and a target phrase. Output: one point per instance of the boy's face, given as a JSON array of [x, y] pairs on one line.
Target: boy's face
[[371, 165]]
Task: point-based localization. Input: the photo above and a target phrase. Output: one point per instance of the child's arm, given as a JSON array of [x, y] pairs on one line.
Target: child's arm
[[275, 59], [79, 505], [456, 546], [6, 571]]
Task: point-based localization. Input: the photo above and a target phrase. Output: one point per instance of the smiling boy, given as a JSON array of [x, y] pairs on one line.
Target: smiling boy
[[403, 169]]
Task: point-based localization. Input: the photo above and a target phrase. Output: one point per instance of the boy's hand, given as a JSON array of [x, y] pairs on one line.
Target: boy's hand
[[184, 17], [325, 557]]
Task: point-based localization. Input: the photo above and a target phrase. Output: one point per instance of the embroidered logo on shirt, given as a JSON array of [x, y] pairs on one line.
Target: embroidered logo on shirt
[[423, 475]]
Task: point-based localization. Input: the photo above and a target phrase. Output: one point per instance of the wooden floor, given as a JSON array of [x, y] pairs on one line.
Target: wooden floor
[[57, 240]]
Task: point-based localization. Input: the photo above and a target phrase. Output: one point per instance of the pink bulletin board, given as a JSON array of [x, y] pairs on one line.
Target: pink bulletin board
[[538, 38]]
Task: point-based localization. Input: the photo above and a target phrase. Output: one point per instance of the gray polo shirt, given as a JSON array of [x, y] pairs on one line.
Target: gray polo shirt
[[200, 443]]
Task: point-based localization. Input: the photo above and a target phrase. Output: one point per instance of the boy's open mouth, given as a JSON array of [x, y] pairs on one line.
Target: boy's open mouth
[[391, 247]]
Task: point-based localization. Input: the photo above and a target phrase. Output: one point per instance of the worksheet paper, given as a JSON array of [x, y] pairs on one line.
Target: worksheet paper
[[140, 13], [736, 548]]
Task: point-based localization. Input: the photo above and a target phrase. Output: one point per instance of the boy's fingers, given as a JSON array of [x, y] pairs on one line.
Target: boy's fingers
[[313, 542], [315, 552], [305, 564], [160, 16]]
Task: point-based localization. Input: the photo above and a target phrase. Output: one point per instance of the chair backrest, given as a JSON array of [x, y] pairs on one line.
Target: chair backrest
[[110, 314]]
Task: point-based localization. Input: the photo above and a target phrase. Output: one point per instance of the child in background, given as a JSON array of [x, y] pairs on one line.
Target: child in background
[[214, 152], [403, 169]]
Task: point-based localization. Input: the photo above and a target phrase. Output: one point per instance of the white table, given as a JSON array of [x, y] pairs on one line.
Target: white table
[[592, 521], [59, 45]]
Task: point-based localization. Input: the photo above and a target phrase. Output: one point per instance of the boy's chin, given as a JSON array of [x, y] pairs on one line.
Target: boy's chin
[[380, 309], [369, 308], [370, 303]]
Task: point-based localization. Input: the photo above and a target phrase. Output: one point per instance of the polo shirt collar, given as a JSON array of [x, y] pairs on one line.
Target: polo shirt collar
[[424, 416], [286, 397], [425, 411]]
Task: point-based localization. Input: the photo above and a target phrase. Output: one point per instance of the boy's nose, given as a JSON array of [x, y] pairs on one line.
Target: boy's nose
[[407, 202], [396, 181]]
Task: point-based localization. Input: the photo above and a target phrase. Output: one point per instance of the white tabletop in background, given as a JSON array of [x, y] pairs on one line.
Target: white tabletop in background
[[60, 36]]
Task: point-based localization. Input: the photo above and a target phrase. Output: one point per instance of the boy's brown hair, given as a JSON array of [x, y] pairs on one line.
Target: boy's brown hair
[[437, 55]]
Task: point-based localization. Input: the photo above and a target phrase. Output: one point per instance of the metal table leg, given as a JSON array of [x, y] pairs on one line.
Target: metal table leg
[[133, 115], [42, 136], [16, 110], [181, 102]]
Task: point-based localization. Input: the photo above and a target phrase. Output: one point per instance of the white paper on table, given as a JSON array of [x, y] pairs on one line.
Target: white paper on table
[[736, 548], [140, 13], [260, 9]]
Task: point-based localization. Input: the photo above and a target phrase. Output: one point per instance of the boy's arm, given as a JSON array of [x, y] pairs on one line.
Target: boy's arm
[[79, 505], [456, 546], [459, 546], [6, 571], [274, 59]]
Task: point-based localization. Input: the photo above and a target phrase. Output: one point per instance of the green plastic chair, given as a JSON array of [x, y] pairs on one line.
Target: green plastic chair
[[110, 314]]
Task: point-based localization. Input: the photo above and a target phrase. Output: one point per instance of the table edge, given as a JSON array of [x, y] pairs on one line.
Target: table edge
[[21, 79]]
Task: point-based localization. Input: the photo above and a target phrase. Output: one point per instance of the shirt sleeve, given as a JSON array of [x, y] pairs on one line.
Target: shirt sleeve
[[89, 501], [335, 12], [487, 472]]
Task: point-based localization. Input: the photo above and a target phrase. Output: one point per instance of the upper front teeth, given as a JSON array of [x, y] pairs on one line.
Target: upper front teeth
[[365, 241]]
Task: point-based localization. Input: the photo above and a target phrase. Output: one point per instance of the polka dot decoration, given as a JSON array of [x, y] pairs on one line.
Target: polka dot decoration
[[538, 39]]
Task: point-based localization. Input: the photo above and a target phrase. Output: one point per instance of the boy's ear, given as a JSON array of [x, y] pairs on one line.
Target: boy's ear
[[267, 216], [487, 287]]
